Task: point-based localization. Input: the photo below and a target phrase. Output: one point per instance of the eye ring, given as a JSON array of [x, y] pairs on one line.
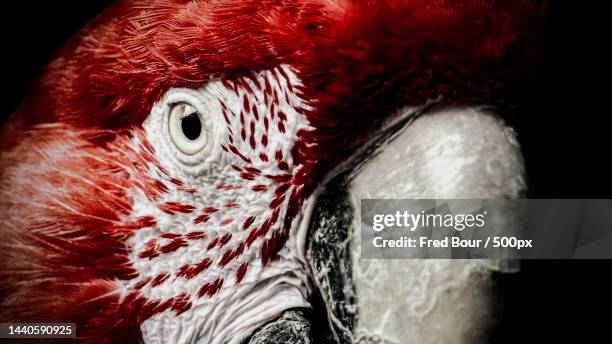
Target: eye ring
[[187, 128]]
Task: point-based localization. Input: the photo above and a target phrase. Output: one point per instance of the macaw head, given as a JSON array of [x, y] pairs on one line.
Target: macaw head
[[154, 181]]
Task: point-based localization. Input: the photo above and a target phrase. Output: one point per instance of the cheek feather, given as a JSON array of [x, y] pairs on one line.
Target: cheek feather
[[234, 222], [73, 213]]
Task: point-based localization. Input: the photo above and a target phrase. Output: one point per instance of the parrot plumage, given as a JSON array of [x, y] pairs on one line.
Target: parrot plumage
[[153, 181]]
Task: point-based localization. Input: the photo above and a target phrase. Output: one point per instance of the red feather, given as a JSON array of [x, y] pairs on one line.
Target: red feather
[[63, 186]]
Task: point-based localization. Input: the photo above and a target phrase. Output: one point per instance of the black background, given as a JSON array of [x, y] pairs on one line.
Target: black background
[[561, 119]]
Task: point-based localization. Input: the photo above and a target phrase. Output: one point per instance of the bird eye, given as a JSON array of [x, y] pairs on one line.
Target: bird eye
[[187, 128]]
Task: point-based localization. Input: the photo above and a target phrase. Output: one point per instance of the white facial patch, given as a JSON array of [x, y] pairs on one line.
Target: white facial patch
[[220, 206]]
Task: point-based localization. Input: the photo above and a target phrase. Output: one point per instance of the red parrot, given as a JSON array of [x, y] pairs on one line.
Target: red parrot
[[153, 182]]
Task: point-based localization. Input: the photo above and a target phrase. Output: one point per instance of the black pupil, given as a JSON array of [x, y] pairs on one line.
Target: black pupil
[[191, 126]]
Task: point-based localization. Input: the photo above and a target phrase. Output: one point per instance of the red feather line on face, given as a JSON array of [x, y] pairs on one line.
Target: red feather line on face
[[63, 186]]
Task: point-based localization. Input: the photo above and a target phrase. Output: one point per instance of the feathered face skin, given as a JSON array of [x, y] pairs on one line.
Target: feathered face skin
[[154, 181]]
